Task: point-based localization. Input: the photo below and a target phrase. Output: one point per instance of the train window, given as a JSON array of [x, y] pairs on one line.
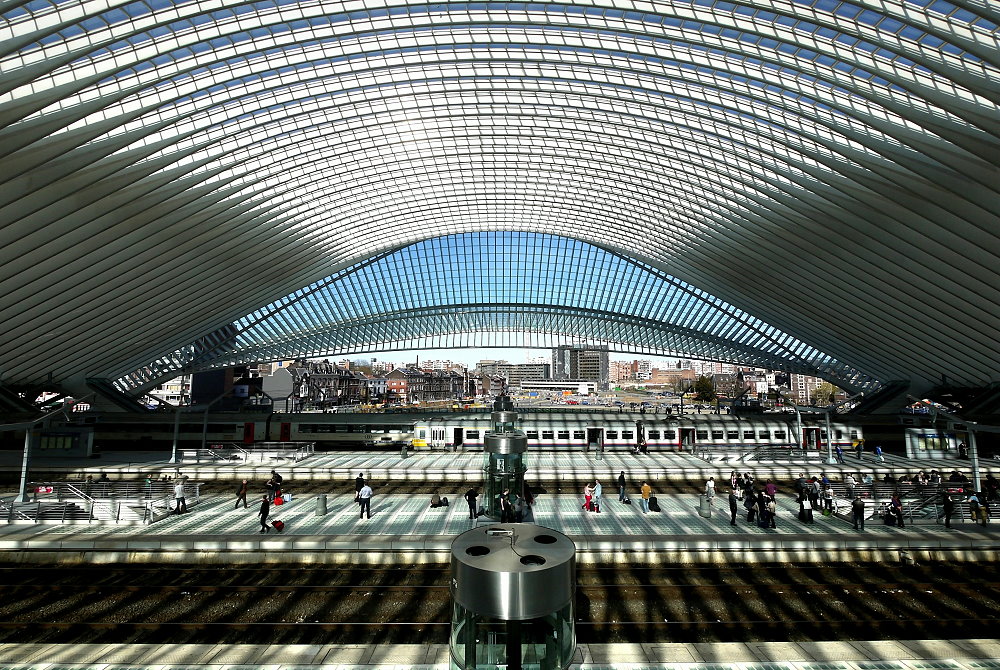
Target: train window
[[717, 434], [627, 435], [421, 434], [732, 434], [748, 435], [563, 434], [653, 434], [579, 435], [548, 435], [531, 434], [764, 434], [779, 434], [822, 434], [611, 434], [472, 434], [838, 434], [669, 435], [854, 434], [701, 434]]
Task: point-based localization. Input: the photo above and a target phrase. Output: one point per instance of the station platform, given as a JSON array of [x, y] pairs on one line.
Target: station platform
[[404, 528], [436, 466], [962, 654]]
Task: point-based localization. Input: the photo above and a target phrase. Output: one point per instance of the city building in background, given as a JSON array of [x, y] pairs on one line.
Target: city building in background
[[583, 362]]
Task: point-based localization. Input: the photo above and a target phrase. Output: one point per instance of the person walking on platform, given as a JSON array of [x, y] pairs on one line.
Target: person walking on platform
[[359, 483], [733, 506], [470, 497], [598, 492], [840, 454], [621, 486], [365, 498], [858, 513], [646, 491], [180, 504], [860, 448], [949, 509], [710, 488], [241, 494], [879, 458], [263, 513]]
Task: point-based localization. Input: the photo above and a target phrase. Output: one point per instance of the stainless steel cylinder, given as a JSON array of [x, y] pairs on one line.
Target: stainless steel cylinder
[[513, 572], [505, 417], [506, 443]]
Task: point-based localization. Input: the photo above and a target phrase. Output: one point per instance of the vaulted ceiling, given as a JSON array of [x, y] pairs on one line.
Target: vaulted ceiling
[[830, 168]]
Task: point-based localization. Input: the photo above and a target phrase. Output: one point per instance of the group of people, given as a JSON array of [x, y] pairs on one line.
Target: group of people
[[592, 496]]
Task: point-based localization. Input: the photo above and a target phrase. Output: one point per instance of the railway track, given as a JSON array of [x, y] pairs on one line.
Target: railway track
[[623, 604]]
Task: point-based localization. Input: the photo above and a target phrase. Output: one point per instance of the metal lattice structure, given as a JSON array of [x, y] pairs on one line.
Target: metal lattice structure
[[170, 167]]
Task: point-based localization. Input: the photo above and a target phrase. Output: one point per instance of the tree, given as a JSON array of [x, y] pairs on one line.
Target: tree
[[704, 389], [824, 393]]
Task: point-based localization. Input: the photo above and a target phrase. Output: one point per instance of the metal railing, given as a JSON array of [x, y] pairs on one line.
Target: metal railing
[[261, 452], [101, 502]]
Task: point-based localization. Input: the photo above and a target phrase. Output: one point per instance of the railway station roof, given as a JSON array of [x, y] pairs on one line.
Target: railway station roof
[[820, 175]]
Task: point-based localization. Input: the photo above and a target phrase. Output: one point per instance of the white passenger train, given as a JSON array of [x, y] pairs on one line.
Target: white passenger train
[[546, 431], [613, 431]]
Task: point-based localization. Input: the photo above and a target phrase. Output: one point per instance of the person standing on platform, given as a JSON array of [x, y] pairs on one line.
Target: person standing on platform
[[805, 508], [241, 494], [978, 510], [621, 486], [470, 497], [263, 513], [860, 448], [359, 483], [598, 492], [733, 506], [646, 492], [710, 488], [772, 511], [506, 507], [850, 483], [180, 503], [949, 509], [896, 508], [365, 499], [269, 485], [588, 497], [858, 513], [840, 454], [771, 489]]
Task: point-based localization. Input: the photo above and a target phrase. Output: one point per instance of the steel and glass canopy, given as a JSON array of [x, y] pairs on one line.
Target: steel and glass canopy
[[828, 167], [513, 289]]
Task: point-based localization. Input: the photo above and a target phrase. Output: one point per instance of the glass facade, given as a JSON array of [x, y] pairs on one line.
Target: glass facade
[[483, 642]]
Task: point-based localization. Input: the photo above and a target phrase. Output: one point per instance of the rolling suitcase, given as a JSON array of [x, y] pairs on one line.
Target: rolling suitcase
[[654, 505]]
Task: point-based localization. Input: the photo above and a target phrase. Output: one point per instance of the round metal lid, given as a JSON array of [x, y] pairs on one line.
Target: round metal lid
[[513, 571]]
